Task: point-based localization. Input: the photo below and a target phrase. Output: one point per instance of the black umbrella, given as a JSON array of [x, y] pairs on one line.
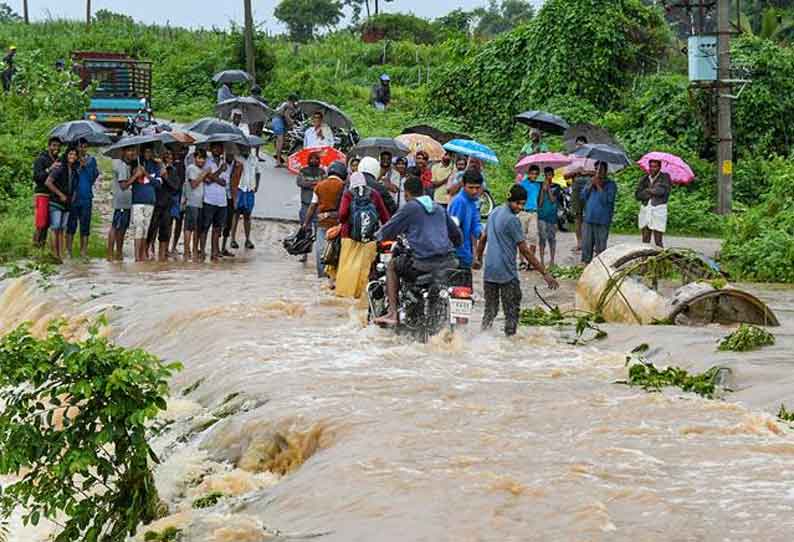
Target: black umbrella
[[332, 115], [232, 76], [374, 146], [543, 121], [252, 110], [594, 135], [71, 132], [209, 126], [115, 150], [614, 156]]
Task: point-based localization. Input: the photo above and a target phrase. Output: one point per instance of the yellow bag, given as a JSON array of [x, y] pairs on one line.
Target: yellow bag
[[355, 262]]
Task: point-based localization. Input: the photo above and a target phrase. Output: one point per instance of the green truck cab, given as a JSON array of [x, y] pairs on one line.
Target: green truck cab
[[123, 87]]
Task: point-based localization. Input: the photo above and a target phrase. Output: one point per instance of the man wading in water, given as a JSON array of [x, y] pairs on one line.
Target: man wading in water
[[500, 279]]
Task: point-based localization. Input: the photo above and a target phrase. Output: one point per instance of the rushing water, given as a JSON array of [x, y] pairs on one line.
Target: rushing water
[[470, 438]]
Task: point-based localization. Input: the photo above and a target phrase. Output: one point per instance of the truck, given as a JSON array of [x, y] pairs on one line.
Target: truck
[[122, 88]]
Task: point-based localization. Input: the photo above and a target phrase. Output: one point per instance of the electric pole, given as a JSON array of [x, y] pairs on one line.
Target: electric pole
[[724, 102], [87, 13], [25, 15], [250, 59]]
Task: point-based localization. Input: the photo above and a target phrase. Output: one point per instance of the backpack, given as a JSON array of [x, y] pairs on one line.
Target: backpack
[[364, 219]]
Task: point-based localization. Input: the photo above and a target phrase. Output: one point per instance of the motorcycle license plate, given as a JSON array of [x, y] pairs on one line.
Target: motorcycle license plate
[[460, 308]]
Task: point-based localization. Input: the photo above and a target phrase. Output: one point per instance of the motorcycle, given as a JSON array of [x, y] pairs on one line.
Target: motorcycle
[[344, 140], [427, 304], [136, 125], [565, 215]]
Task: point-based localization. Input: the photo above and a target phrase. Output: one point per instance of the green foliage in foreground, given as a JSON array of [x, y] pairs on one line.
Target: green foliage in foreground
[[538, 316], [169, 534], [74, 421], [208, 501], [745, 339], [785, 414], [649, 378]]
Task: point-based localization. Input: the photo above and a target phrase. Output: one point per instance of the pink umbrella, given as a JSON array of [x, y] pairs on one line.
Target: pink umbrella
[[676, 168], [543, 160]]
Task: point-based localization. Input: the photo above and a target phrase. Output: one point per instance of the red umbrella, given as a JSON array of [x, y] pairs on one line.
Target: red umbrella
[[328, 155]]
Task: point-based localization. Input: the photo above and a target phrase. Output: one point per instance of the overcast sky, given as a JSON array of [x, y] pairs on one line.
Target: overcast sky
[[194, 13]]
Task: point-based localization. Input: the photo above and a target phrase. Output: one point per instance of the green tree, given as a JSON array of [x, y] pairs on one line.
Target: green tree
[[74, 420], [303, 17], [456, 20], [8, 15], [498, 18]]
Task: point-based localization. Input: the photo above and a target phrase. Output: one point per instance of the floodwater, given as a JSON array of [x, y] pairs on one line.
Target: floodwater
[[470, 438]]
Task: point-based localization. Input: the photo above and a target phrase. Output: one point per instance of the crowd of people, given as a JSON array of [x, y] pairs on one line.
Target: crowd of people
[[155, 197]]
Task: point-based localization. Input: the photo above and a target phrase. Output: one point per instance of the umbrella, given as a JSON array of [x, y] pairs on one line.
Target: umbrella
[[613, 156], [184, 138], [374, 146], [543, 121], [211, 126], [594, 134], [71, 132], [252, 109], [543, 160], [469, 147], [328, 155], [232, 76], [333, 116], [421, 142], [678, 170], [114, 151], [434, 133]]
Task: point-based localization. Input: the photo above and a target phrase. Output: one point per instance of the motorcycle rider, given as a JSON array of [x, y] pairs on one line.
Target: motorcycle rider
[[432, 236]]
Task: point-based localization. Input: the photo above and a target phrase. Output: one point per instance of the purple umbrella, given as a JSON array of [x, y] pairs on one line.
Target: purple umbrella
[[678, 170]]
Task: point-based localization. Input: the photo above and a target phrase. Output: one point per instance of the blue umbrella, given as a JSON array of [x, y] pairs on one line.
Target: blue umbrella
[[473, 149]]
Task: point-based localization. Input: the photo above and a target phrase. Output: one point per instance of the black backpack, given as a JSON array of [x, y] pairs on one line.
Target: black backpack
[[364, 219]]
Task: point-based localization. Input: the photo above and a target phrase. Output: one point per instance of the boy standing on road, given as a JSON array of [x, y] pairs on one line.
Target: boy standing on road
[[246, 199], [529, 214], [125, 173], [503, 236], [45, 164], [465, 210], [88, 174], [214, 206], [547, 216], [193, 197], [599, 206]]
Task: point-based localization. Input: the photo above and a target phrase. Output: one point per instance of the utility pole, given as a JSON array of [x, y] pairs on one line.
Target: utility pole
[[25, 15], [250, 59], [87, 13], [724, 102]]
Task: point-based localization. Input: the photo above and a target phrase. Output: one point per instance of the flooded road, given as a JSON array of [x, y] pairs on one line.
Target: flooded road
[[469, 438]]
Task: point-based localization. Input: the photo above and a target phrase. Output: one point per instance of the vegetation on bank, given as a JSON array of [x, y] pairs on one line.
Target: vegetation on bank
[[74, 432], [617, 65]]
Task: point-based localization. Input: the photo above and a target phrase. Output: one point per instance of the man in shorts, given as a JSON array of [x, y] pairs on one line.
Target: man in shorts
[[529, 214], [214, 209], [282, 123], [249, 186], [193, 198], [45, 163], [125, 173]]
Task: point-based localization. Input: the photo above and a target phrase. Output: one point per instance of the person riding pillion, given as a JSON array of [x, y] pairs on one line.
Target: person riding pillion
[[432, 236]]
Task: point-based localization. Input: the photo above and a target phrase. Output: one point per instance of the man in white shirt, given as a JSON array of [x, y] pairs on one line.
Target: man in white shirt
[[214, 206], [318, 134], [249, 185]]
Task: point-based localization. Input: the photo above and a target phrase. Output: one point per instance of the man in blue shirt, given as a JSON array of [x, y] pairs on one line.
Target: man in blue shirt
[[599, 206], [465, 211], [504, 236], [529, 214], [81, 209]]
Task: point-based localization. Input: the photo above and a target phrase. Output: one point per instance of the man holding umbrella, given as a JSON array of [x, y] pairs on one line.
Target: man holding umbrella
[[653, 192], [535, 145], [599, 206]]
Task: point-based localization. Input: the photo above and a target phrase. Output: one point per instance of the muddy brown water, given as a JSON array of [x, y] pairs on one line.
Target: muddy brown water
[[470, 438]]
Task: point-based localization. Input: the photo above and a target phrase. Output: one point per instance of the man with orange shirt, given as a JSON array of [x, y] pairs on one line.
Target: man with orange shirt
[[325, 203]]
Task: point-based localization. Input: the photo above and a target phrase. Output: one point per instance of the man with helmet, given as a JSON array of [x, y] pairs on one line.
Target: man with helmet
[[371, 169], [381, 93], [325, 204]]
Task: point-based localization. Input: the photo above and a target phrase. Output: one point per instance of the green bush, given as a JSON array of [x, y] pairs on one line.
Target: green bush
[[65, 404]]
